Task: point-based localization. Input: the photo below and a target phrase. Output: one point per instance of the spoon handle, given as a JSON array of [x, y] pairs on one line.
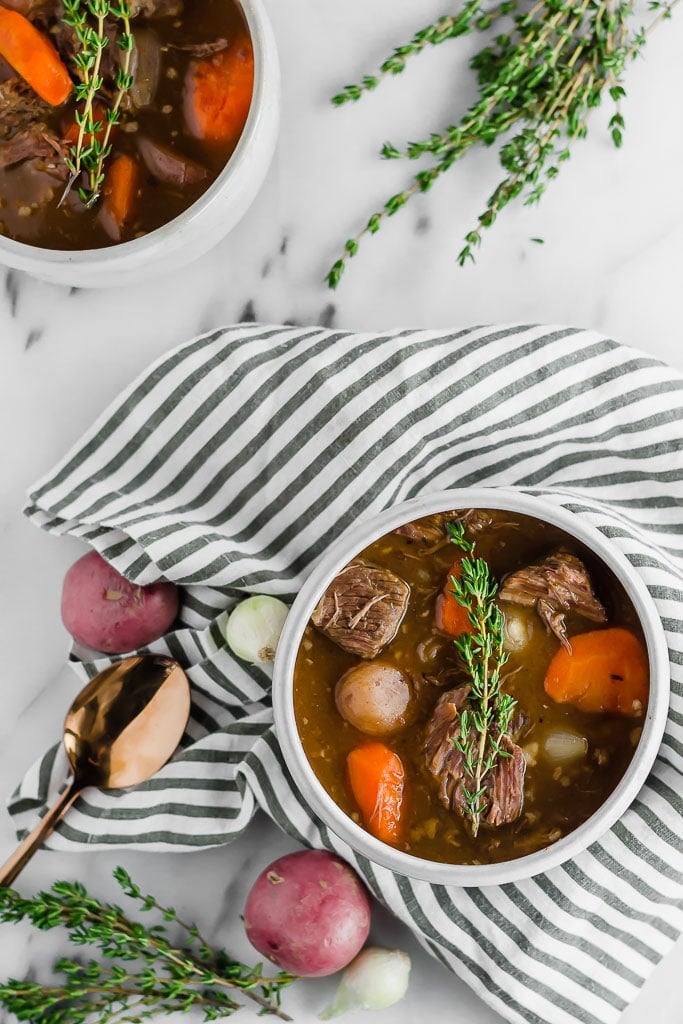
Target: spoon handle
[[35, 839]]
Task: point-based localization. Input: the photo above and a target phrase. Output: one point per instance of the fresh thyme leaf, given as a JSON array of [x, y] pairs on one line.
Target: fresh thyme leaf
[[142, 972], [543, 66], [487, 714]]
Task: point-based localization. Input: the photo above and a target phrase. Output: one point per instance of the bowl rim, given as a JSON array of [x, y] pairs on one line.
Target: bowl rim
[[354, 540], [257, 23]]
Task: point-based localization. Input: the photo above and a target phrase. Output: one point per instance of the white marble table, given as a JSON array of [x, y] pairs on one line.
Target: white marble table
[[612, 258]]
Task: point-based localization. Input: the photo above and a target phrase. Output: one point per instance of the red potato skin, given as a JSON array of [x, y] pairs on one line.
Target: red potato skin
[[309, 913], [103, 610]]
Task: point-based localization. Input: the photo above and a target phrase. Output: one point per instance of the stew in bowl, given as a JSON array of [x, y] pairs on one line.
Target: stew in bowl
[[471, 688], [132, 142], [82, 170]]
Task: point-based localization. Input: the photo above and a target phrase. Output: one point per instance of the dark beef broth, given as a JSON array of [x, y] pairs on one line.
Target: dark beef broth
[[25, 213], [557, 798]]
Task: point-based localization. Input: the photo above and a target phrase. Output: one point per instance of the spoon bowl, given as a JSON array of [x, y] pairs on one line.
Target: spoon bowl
[[120, 730]]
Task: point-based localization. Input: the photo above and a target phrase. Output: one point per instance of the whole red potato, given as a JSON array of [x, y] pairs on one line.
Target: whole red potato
[[308, 912], [102, 609]]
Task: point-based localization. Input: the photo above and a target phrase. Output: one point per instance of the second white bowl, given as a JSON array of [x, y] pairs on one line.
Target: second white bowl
[[201, 226]]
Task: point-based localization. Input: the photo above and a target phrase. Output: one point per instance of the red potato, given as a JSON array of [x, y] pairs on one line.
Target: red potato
[[308, 912], [102, 609]]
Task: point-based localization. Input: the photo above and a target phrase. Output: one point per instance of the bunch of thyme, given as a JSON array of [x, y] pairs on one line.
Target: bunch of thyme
[[92, 147], [486, 716], [142, 972], [544, 66]]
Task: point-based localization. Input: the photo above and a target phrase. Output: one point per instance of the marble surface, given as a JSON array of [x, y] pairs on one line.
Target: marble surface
[[613, 248]]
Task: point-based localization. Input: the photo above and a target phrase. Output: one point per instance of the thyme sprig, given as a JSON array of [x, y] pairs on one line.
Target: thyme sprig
[[486, 716], [142, 972], [88, 20], [548, 65]]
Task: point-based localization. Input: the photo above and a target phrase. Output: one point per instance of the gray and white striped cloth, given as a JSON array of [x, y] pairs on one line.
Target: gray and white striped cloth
[[230, 464]]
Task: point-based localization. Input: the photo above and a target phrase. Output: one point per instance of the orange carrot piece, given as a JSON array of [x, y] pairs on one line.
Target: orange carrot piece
[[607, 670], [34, 57], [449, 615], [119, 195], [217, 93], [377, 779]]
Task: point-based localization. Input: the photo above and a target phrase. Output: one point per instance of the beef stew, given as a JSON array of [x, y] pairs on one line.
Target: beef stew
[[569, 732], [177, 123]]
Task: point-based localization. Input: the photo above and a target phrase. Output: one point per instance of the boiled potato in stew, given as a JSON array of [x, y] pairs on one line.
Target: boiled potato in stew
[[472, 686]]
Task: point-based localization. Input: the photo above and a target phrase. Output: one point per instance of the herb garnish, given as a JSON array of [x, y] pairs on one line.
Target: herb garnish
[[92, 147], [549, 63], [486, 717], [142, 973]]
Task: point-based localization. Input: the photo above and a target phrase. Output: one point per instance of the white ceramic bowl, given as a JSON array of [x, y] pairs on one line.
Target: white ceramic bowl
[[336, 557], [201, 226]]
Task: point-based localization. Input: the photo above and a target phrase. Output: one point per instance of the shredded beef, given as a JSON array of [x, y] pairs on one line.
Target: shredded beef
[[555, 586], [362, 608], [30, 144], [20, 108], [507, 790], [504, 785], [24, 135], [444, 760], [431, 529]]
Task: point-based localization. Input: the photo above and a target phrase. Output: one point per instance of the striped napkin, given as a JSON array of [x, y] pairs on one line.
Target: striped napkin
[[230, 464]]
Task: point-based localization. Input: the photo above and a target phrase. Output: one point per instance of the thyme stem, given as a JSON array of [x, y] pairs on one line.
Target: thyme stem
[[538, 81], [486, 717], [88, 19], [140, 966]]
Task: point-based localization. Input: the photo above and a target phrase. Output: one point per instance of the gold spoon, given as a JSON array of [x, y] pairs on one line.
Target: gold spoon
[[121, 729]]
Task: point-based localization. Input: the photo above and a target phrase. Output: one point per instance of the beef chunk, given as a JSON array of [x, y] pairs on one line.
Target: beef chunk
[[30, 144], [444, 761], [362, 608], [29, 8], [66, 42], [24, 134], [156, 8], [20, 108], [507, 789], [432, 529], [557, 585], [504, 785]]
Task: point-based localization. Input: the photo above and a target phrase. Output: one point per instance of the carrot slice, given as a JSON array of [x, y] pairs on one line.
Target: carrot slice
[[377, 779], [607, 670], [119, 195], [449, 615], [33, 57], [217, 93], [99, 114]]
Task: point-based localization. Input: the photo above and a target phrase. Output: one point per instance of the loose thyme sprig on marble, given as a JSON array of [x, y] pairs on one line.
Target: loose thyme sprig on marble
[[92, 147], [550, 63], [486, 716], [142, 972]]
